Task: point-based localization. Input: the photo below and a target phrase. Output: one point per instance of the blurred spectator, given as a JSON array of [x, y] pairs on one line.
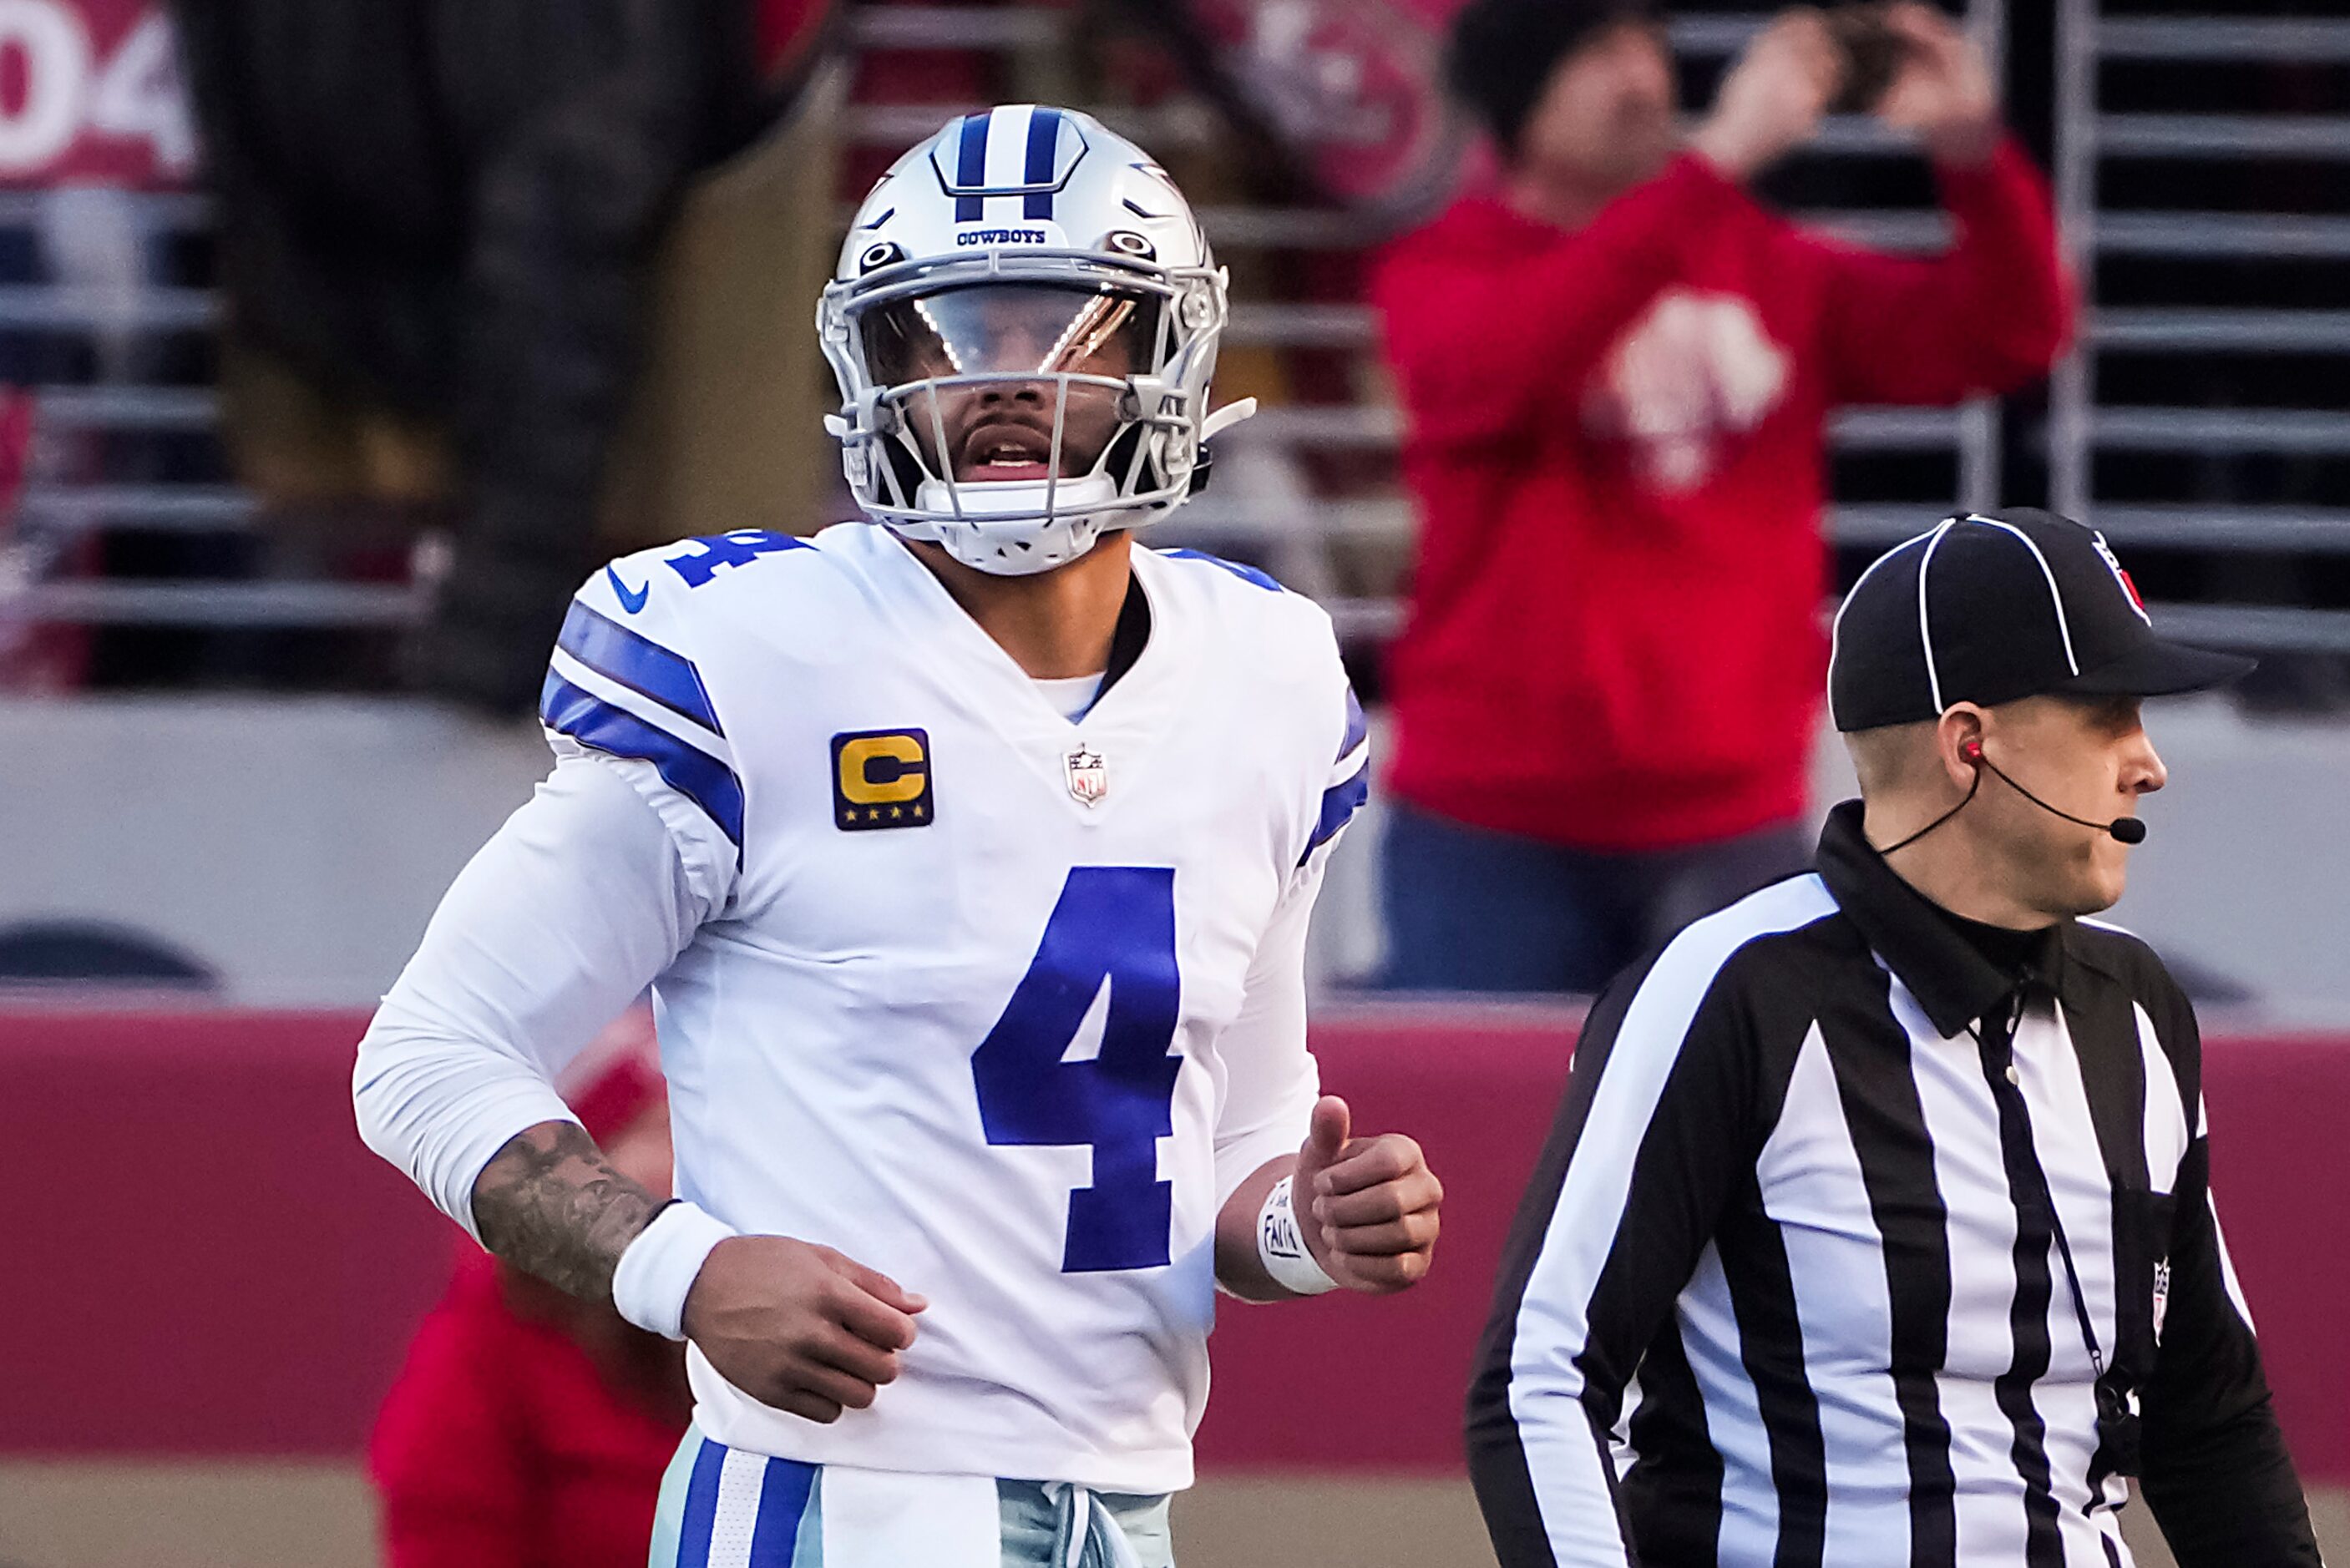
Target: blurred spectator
[[1616, 367], [528, 1427], [34, 655], [440, 228]]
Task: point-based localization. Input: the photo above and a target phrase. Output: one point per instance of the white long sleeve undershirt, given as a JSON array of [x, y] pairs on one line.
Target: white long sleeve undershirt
[[561, 921]]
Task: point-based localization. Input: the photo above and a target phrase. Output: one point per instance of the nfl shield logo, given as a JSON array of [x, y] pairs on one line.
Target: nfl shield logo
[[1088, 775]]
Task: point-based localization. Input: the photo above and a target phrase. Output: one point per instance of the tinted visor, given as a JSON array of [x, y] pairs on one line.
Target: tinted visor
[[1012, 328]]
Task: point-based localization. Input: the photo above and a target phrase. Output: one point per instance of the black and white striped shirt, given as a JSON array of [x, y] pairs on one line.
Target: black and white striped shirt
[[1784, 1291]]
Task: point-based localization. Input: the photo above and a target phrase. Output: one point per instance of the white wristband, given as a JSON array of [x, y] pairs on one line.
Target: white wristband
[[657, 1269], [1283, 1250]]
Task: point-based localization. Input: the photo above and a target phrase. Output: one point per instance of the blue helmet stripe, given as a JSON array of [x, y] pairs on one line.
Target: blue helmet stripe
[[639, 663], [692, 773], [971, 166], [1043, 139]]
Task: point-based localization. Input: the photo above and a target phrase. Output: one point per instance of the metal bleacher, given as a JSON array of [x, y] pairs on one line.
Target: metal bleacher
[[2183, 331], [104, 322], [2212, 228]]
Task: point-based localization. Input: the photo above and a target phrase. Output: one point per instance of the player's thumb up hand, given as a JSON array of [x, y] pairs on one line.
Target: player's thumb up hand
[[1367, 1207], [1326, 1139]]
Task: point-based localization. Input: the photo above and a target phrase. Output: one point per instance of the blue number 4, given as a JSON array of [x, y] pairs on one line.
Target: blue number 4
[[1113, 924], [740, 548]]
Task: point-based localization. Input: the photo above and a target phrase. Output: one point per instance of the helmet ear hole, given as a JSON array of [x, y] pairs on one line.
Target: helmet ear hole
[[905, 465], [1199, 470], [1121, 454]]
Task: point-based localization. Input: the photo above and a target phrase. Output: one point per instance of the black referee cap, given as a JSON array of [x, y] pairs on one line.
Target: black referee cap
[[1989, 609]]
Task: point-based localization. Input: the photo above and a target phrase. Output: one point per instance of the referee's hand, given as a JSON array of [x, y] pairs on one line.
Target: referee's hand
[[1367, 1205], [799, 1327]]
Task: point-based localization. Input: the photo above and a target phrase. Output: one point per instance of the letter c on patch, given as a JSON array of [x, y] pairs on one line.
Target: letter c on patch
[[882, 770]]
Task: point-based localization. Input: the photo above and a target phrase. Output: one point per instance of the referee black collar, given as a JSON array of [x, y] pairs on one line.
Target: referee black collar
[[1955, 981]]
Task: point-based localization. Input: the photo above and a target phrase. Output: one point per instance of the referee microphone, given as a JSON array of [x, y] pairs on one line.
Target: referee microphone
[[2128, 829]]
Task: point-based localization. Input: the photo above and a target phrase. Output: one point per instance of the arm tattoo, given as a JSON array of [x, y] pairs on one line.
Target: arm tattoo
[[550, 1204]]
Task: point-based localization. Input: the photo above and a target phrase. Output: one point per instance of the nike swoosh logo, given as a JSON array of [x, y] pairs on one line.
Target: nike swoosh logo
[[629, 601]]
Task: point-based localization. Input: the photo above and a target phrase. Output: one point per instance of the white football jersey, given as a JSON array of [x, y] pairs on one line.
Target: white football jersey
[[998, 1003]]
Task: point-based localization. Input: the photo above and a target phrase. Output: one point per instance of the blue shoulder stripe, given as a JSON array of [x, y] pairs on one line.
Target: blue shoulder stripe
[[639, 663], [1358, 726], [1246, 573], [700, 1507], [1339, 804], [692, 772]]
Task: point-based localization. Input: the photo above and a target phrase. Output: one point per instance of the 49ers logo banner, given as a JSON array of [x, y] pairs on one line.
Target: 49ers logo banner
[[1354, 87]]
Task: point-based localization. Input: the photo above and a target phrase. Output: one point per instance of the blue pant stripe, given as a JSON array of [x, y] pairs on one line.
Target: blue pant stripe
[[700, 1507], [783, 1498]]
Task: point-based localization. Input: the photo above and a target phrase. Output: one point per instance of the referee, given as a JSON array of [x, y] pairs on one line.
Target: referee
[[1875, 1226]]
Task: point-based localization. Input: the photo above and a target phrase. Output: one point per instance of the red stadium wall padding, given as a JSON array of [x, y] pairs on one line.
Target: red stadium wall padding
[[1345, 1383], [201, 1259]]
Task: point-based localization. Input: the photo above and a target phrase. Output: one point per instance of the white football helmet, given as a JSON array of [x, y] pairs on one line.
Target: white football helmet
[[1023, 324]]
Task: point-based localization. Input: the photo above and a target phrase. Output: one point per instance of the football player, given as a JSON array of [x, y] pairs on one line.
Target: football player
[[969, 858]]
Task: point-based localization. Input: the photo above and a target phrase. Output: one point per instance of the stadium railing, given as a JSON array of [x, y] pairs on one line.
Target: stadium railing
[[2171, 206], [1937, 459]]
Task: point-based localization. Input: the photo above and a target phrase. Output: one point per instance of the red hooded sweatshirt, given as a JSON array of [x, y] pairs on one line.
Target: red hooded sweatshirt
[[525, 1431], [528, 1430], [1614, 436]]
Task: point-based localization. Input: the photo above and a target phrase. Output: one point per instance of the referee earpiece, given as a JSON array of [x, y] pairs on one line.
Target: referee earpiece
[[2126, 829]]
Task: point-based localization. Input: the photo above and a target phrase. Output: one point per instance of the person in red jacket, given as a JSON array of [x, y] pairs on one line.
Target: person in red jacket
[[528, 1430], [1616, 370]]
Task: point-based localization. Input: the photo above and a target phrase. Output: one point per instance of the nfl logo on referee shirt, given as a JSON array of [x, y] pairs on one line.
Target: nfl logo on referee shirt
[[881, 778], [1088, 775]]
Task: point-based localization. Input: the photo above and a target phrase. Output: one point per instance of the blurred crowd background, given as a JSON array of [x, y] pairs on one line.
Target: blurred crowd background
[[340, 339]]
